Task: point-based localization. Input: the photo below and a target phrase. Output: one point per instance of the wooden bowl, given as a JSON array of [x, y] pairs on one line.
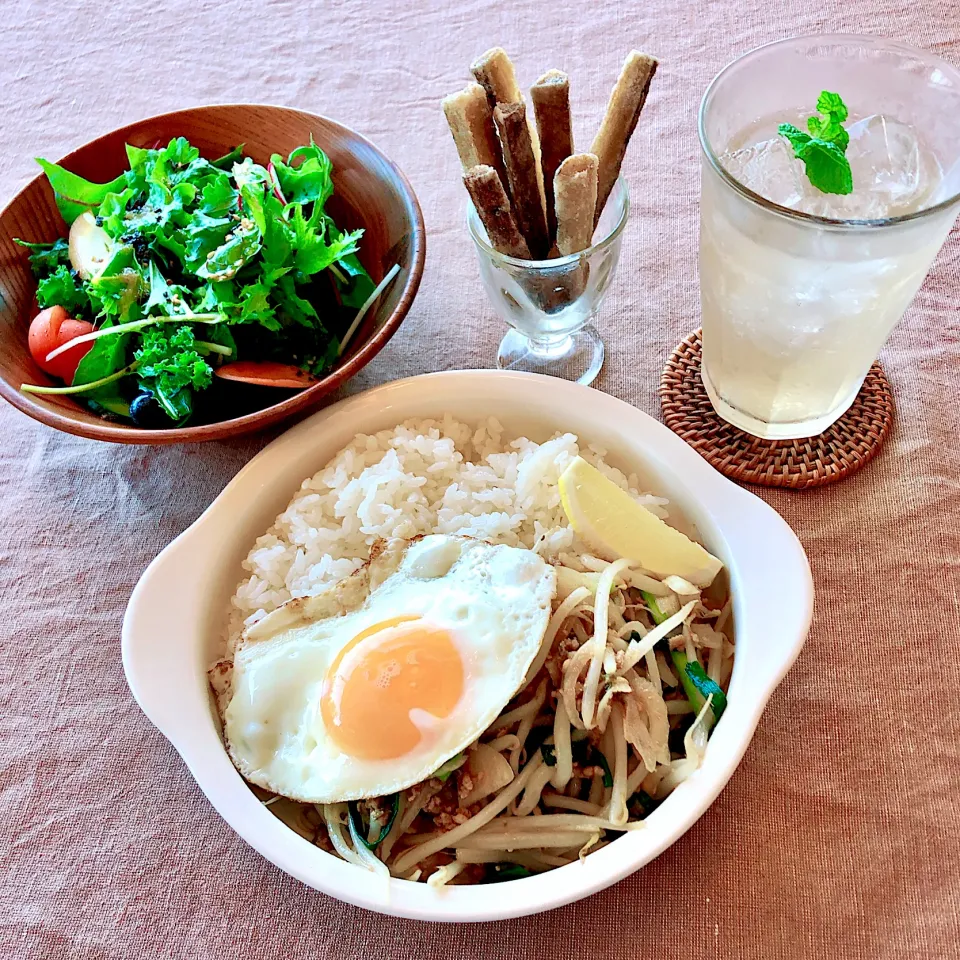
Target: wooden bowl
[[370, 192]]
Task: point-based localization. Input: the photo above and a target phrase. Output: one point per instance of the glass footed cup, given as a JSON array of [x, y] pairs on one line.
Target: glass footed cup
[[549, 303]]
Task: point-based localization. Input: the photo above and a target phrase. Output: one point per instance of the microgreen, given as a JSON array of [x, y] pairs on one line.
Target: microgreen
[[823, 148]]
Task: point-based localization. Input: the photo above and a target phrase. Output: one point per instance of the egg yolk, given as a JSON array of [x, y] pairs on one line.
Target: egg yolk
[[382, 674]]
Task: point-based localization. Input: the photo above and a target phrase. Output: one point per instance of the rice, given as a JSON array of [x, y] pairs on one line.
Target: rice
[[423, 476]]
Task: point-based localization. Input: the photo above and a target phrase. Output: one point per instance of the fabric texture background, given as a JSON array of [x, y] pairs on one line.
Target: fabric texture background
[[838, 834]]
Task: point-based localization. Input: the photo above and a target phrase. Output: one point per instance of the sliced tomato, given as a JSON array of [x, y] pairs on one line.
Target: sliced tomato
[[51, 328]]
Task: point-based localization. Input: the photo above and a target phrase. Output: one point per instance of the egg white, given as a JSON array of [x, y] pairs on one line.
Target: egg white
[[493, 601]]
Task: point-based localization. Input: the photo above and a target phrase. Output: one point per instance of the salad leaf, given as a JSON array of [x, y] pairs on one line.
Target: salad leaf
[[247, 249], [229, 159], [355, 292], [170, 367], [62, 288], [294, 306], [306, 177], [255, 306], [112, 211], [108, 355], [115, 295], [823, 149], [73, 193], [315, 254], [159, 293], [237, 248], [46, 257], [172, 358]]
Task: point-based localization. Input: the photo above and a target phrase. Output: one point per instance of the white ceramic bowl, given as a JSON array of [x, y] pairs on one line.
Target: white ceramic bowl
[[176, 613]]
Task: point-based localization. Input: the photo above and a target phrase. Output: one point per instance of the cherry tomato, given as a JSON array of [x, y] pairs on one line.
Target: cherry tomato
[[50, 329]]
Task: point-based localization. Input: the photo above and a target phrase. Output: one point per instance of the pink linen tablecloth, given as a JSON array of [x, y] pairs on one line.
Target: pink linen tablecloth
[[837, 836]]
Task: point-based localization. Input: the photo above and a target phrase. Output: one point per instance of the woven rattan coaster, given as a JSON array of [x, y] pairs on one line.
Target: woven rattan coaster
[[841, 450]]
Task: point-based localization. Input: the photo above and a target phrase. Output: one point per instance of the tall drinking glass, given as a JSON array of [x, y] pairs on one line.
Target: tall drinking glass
[[800, 289]]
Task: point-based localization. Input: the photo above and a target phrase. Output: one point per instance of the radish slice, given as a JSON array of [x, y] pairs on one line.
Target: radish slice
[[266, 374], [90, 246]]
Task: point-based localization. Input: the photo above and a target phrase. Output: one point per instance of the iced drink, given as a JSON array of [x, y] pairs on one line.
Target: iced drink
[[800, 288]]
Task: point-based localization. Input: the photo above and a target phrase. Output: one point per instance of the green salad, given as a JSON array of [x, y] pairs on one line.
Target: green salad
[[183, 272]]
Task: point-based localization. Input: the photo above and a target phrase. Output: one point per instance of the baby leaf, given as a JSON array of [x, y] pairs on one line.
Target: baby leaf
[[228, 258]]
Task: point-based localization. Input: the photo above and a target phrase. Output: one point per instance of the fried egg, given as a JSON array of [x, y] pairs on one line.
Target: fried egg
[[369, 687]]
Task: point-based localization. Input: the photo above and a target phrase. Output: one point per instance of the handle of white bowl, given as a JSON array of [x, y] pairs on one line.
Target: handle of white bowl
[[159, 622], [775, 599]]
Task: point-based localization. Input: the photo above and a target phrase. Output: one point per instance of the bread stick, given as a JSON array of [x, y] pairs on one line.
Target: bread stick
[[620, 120], [471, 122], [493, 208], [575, 188], [550, 96], [494, 72], [521, 165]]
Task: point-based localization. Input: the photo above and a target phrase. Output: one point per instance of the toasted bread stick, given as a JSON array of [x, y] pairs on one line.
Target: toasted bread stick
[[623, 112], [522, 166], [551, 106], [471, 122], [494, 72], [493, 208], [575, 187]]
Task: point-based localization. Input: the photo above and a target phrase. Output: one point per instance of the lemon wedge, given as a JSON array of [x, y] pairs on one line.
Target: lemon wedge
[[614, 525]]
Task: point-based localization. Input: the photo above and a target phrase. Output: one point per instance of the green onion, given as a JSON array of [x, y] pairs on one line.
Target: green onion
[[643, 803], [698, 686], [651, 601], [508, 871], [357, 828], [445, 769], [601, 761]]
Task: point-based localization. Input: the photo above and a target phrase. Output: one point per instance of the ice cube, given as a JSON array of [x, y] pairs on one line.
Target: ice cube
[[770, 169], [893, 173]]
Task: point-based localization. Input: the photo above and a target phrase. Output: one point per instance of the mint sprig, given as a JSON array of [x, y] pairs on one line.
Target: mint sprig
[[823, 149]]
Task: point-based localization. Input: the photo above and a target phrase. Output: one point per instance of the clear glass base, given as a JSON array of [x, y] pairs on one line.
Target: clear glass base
[[578, 357], [793, 430]]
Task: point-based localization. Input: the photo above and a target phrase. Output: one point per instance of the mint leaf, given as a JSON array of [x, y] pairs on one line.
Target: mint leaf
[[798, 139], [827, 168], [828, 131], [830, 105], [823, 149]]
